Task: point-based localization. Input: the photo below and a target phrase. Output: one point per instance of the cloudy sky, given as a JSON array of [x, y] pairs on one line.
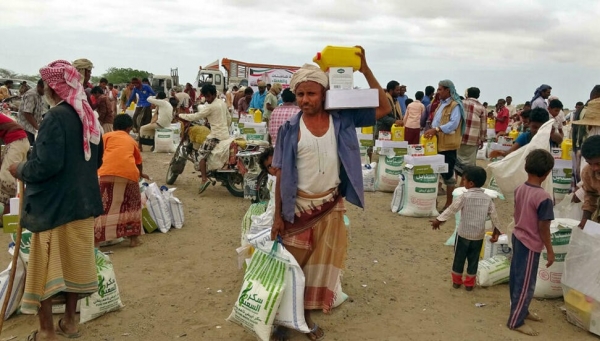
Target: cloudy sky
[[504, 47]]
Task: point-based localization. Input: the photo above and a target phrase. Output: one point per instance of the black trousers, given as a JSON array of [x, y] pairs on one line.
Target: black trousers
[[31, 138], [450, 157], [466, 250]]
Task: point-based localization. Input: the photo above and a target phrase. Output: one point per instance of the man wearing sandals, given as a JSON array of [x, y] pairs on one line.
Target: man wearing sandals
[[318, 162], [61, 199]]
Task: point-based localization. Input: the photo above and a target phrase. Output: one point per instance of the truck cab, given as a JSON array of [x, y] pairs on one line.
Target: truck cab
[[164, 82], [214, 77]]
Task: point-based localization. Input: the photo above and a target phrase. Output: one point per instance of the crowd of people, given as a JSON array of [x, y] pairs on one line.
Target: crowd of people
[[82, 174]]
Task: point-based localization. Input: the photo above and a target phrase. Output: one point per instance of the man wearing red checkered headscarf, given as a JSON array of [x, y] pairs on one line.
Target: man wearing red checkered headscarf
[[60, 202]]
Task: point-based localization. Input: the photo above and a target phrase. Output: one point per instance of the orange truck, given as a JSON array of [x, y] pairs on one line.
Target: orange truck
[[243, 74]]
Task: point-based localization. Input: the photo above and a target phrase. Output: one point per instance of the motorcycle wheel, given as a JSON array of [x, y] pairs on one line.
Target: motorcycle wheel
[[263, 193], [235, 184], [175, 167]]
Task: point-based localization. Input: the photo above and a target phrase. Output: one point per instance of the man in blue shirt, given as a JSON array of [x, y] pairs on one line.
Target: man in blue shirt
[[402, 97], [258, 99], [429, 91], [449, 126], [318, 163], [143, 111]]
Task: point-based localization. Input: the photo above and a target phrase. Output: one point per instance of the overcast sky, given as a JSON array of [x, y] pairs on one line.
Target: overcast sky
[[504, 47]]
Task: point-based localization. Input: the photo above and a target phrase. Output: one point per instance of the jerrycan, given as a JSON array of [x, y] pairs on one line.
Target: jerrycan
[[257, 116], [513, 134], [338, 56], [429, 144], [567, 148], [367, 130], [397, 133]]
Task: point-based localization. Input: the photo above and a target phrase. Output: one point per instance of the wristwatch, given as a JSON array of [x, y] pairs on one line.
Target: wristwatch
[[437, 129]]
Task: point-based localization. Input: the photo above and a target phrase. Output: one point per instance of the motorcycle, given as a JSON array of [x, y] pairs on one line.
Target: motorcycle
[[241, 162]]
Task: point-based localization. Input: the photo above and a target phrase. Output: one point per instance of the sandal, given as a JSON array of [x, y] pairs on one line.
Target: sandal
[[313, 333], [60, 331], [32, 336], [204, 186]]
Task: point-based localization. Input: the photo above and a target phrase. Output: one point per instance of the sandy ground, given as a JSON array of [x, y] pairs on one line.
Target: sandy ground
[[181, 285]]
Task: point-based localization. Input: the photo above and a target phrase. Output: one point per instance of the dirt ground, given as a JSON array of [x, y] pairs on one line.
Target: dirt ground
[[182, 285]]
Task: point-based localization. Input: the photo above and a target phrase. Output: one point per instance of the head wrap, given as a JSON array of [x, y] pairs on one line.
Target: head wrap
[[306, 73], [261, 84], [455, 97], [63, 78], [276, 88], [538, 92], [83, 63]]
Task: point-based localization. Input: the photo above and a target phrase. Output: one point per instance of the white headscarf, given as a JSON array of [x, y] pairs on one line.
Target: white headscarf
[[306, 73]]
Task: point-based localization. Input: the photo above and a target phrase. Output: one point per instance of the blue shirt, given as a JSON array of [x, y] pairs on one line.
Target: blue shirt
[[258, 100], [455, 116], [143, 94], [426, 101], [523, 139], [402, 101], [286, 151]]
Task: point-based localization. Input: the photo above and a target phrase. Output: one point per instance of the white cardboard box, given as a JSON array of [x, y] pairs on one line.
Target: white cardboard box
[[424, 160], [341, 78], [348, 99], [391, 144]]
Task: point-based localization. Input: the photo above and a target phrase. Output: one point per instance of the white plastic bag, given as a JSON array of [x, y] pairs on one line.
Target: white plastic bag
[[509, 173], [291, 308], [420, 195], [158, 208], [388, 169], [482, 153], [163, 141], [262, 290], [368, 173], [398, 197], [107, 298], [266, 218], [18, 285], [581, 270], [175, 208], [495, 270], [568, 210], [548, 279], [501, 247]]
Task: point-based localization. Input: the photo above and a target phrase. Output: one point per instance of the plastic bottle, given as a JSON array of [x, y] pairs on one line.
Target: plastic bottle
[[338, 56], [257, 116], [397, 133], [429, 144], [367, 130], [567, 149], [513, 134]]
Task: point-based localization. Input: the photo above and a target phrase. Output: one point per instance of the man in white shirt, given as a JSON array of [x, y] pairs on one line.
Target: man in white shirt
[[512, 110], [540, 96], [217, 115], [161, 119], [183, 101]]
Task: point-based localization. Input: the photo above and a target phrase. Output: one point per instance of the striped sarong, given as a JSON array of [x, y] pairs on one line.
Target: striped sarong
[[122, 204], [60, 260], [320, 250]]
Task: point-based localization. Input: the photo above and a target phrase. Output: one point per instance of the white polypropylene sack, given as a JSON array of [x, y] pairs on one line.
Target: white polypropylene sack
[[368, 173], [291, 308], [163, 141], [482, 153], [107, 298], [495, 270], [388, 170], [175, 208], [420, 194], [561, 184], [18, 285], [25, 244], [261, 293], [501, 247], [398, 197], [567, 209], [158, 208], [176, 129], [509, 173], [548, 284], [265, 220]]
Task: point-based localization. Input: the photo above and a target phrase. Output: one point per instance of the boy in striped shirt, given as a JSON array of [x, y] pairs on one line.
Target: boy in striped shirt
[[474, 206], [533, 214]]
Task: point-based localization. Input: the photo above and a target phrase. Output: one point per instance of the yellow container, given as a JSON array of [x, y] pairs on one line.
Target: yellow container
[[338, 56], [367, 130], [131, 106], [513, 134], [491, 123], [567, 149], [397, 133], [257, 116], [429, 144]]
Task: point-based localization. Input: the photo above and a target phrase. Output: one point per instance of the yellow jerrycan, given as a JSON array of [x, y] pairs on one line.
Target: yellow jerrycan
[[567, 149], [257, 116], [338, 56], [397, 133], [429, 145], [513, 134], [367, 130]]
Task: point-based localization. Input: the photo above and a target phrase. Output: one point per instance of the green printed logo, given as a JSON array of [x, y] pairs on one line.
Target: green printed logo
[[393, 172], [425, 190], [561, 180], [341, 71], [395, 161], [426, 178]]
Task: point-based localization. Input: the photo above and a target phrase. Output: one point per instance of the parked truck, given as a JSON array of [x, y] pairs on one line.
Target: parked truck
[[243, 74], [164, 82]]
